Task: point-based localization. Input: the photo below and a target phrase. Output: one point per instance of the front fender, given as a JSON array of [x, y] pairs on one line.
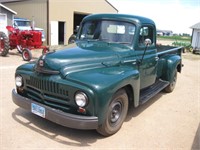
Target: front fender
[[171, 64], [105, 82]]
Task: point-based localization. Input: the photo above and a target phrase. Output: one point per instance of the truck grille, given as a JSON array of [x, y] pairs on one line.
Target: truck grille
[[48, 92]]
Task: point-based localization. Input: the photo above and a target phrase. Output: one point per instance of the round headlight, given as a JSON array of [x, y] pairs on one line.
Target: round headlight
[[18, 81], [81, 99]]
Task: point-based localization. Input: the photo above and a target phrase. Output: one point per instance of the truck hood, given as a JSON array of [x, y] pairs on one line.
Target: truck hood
[[81, 56]]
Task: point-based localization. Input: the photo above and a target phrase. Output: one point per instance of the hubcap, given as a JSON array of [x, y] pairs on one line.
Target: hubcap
[[116, 112], [26, 55]]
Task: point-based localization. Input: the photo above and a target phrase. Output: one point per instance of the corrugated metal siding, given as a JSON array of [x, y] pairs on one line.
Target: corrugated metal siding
[[196, 39], [9, 15], [59, 10], [32, 9], [63, 10]]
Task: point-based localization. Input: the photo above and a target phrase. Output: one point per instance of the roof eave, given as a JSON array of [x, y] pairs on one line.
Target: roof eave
[[8, 9], [112, 6]]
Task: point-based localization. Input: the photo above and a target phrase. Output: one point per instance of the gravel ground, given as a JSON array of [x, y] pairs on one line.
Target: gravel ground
[[167, 121]]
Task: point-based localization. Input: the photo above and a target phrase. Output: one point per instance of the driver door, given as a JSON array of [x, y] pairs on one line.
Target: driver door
[[148, 66]]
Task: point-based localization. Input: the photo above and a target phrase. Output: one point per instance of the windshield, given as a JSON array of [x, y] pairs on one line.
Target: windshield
[[108, 31], [23, 23]]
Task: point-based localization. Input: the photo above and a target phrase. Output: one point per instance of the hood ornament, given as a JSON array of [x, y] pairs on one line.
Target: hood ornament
[[41, 61]]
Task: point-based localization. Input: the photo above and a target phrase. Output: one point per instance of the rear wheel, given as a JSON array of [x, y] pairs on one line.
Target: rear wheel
[[116, 114], [171, 86], [26, 54], [4, 44]]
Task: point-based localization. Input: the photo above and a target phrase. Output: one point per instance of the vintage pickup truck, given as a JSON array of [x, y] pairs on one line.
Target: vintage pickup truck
[[114, 63]]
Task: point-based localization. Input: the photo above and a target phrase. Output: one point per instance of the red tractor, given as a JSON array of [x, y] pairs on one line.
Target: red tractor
[[24, 41], [4, 44]]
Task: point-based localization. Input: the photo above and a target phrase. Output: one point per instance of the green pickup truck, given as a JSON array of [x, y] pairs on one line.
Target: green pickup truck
[[114, 63]]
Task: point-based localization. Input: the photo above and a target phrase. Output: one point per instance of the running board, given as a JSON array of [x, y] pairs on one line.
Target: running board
[[151, 91]]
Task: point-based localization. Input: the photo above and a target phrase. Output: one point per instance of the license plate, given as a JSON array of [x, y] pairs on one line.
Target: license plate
[[38, 110]]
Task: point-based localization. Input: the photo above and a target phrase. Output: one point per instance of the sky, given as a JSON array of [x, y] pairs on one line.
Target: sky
[[175, 15]]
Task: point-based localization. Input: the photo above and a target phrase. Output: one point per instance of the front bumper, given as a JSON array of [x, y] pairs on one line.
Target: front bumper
[[57, 116]]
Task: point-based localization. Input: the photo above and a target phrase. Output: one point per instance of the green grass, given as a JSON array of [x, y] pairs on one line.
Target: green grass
[[175, 38], [184, 41]]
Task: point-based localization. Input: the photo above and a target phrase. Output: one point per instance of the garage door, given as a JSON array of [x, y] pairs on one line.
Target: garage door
[[3, 23]]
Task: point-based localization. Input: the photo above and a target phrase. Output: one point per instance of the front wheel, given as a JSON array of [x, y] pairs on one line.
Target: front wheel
[[26, 54], [171, 86], [116, 114]]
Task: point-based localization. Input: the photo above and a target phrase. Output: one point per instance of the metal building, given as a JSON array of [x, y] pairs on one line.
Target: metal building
[[58, 18], [196, 37], [6, 17]]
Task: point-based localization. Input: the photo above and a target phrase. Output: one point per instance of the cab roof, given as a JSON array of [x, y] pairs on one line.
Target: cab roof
[[125, 17]]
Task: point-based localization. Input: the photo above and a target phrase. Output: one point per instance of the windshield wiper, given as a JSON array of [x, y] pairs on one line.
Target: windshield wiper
[[120, 42]]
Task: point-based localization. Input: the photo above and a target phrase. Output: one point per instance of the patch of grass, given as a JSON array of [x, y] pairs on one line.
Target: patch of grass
[[175, 38], [184, 41]]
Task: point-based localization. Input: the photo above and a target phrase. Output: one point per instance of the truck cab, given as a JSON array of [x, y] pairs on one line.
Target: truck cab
[[113, 64]]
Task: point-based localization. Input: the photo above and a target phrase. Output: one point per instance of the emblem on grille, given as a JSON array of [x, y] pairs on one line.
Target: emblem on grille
[[41, 63]]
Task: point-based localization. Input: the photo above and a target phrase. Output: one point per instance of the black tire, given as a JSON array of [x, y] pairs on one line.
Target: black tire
[[26, 54], [172, 85], [72, 39], [4, 44], [116, 114]]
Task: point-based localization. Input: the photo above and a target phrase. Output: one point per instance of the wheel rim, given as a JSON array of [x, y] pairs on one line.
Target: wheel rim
[[115, 112], [26, 55]]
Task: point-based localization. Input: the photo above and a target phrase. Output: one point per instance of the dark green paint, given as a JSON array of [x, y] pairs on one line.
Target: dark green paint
[[100, 69]]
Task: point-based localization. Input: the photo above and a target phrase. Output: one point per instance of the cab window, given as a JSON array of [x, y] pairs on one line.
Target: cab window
[[146, 32]]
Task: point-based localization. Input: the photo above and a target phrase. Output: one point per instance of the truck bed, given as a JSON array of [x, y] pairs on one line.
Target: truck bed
[[163, 49]]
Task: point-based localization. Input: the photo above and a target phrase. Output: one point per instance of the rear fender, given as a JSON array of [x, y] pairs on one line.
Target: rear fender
[[172, 63], [10, 29]]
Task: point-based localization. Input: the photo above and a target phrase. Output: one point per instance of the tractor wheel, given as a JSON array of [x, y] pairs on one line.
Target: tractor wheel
[[4, 44], [45, 50], [19, 49], [26, 54]]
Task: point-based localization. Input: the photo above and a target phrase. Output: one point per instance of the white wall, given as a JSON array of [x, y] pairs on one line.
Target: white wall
[[196, 38]]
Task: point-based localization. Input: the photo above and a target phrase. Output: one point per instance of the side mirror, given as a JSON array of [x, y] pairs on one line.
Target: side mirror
[[147, 42]]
